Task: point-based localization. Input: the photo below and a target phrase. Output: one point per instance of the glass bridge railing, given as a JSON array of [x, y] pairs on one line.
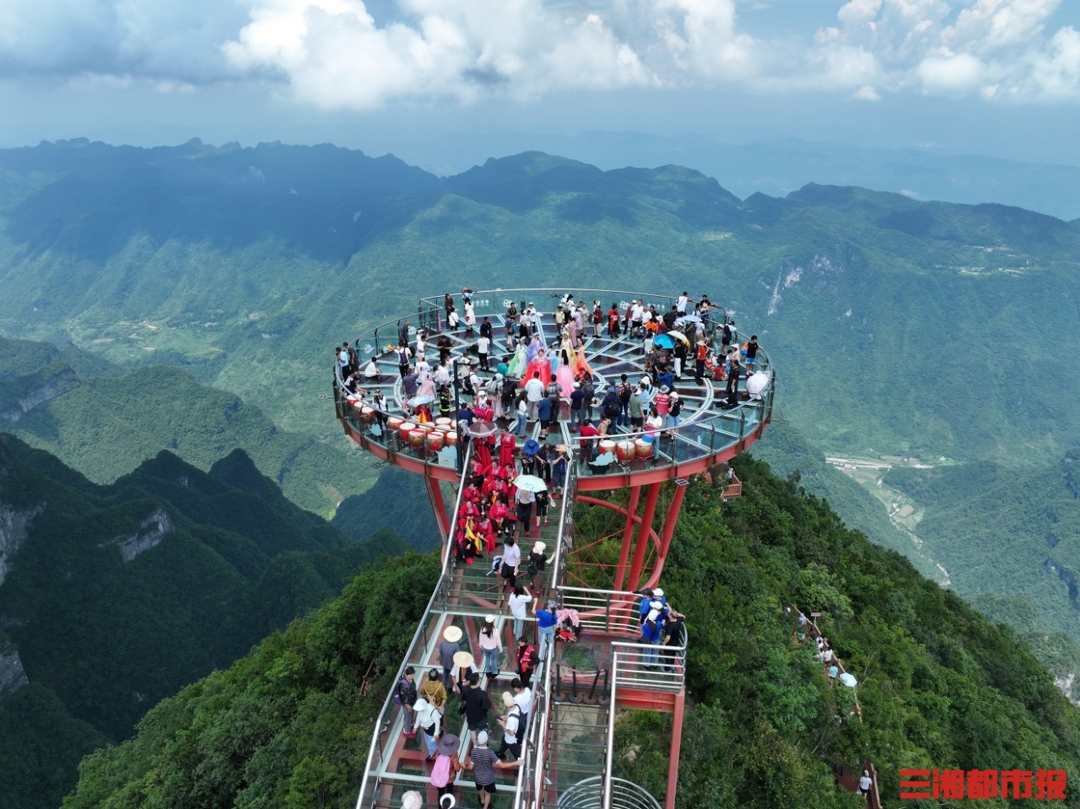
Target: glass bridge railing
[[705, 429]]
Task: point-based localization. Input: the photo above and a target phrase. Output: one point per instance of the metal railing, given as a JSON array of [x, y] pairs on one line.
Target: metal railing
[[529, 789], [589, 794], [650, 667], [603, 610], [701, 434], [420, 640]]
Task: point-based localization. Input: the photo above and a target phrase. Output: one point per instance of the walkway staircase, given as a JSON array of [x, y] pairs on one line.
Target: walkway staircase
[[567, 755]]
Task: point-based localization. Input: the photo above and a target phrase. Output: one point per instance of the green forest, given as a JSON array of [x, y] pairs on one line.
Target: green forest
[[940, 686], [117, 596]]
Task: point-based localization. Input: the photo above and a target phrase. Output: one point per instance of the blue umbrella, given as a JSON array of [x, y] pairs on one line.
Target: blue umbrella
[[663, 341]]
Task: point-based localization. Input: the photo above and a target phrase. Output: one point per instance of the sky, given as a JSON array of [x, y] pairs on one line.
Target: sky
[[986, 77]]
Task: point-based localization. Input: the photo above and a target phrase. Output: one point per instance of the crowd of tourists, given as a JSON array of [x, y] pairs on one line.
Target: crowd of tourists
[[534, 387], [538, 384]]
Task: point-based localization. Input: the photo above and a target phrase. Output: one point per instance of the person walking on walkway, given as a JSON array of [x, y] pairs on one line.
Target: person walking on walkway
[[545, 626], [448, 647], [490, 642]]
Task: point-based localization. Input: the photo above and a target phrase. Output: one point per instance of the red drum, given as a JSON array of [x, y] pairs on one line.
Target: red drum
[[394, 422], [451, 439], [443, 421], [367, 414], [416, 437], [644, 448], [404, 430], [435, 440], [607, 446], [625, 450]]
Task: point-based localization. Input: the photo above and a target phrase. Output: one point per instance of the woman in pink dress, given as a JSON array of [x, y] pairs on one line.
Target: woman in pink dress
[[565, 375], [541, 365]]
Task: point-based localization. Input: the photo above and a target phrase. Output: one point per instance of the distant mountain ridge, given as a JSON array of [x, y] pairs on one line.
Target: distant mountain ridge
[[897, 326]]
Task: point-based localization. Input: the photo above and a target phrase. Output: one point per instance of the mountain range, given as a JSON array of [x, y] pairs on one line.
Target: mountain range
[[917, 329], [933, 332], [114, 597]]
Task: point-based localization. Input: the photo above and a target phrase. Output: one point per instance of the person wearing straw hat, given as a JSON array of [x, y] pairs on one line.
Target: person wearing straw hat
[[446, 765], [463, 670], [448, 647]]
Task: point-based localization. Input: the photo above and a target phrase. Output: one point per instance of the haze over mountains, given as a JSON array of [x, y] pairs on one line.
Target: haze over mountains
[[900, 329]]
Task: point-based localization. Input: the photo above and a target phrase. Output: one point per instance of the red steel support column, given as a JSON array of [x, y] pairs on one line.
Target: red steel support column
[[670, 520], [628, 533], [676, 743], [438, 505], [643, 536]]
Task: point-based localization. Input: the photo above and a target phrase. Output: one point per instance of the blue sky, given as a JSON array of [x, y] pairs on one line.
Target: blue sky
[[994, 77]]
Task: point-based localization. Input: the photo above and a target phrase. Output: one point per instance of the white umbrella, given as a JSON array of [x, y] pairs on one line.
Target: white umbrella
[[757, 383], [416, 401], [848, 680], [689, 319], [530, 483], [678, 335]]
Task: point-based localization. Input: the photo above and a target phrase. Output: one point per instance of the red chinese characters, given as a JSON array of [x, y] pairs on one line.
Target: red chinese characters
[[1043, 785]]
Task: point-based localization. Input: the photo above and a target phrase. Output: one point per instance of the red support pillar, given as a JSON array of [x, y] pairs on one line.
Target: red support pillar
[[676, 743], [438, 505], [644, 531], [670, 520], [628, 532]]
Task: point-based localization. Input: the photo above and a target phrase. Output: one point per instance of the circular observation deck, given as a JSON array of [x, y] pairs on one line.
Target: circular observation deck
[[709, 431]]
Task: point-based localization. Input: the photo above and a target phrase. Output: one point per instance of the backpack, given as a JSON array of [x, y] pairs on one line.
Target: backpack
[[553, 390], [611, 408], [508, 389], [401, 691], [624, 392], [588, 390]]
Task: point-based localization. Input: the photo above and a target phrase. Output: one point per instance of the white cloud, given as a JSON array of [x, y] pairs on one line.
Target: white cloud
[[955, 73], [336, 54]]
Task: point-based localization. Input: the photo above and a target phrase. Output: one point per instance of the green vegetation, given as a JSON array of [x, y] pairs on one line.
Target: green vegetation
[[1005, 531], [396, 501], [117, 596], [940, 686], [104, 426], [289, 725]]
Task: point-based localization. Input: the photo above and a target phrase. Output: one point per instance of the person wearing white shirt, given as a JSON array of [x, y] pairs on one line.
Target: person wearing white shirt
[[534, 392], [519, 604], [680, 304]]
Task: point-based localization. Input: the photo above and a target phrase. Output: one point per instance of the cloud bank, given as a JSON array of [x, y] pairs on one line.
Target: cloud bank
[[334, 54]]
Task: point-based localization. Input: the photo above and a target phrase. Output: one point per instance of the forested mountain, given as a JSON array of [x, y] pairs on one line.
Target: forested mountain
[[104, 420], [940, 686], [114, 597], [875, 305], [900, 327]]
